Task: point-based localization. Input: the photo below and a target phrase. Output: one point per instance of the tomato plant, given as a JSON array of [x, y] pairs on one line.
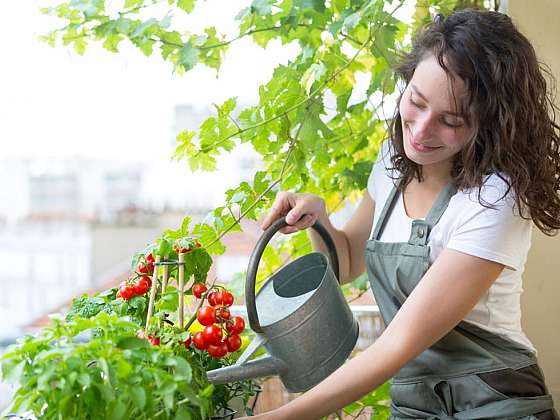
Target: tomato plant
[[124, 368]]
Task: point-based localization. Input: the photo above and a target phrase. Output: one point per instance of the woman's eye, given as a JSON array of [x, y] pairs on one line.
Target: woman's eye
[[416, 104], [452, 124]]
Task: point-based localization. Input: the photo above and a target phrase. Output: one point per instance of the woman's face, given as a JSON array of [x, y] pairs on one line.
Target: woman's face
[[433, 128]]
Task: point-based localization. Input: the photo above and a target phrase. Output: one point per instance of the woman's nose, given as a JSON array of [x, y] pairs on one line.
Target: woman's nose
[[423, 128]]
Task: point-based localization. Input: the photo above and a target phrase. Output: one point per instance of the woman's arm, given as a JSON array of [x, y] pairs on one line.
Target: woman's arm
[[350, 241], [444, 296]]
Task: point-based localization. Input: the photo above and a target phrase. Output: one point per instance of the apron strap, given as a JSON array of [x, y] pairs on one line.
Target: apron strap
[[389, 203], [421, 228]]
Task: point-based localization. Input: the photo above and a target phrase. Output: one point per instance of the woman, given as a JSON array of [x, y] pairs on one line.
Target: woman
[[445, 224]]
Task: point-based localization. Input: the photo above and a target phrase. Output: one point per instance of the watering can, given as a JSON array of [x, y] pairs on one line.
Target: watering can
[[300, 316]]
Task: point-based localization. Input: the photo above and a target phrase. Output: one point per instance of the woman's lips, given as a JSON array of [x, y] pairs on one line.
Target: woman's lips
[[422, 148]]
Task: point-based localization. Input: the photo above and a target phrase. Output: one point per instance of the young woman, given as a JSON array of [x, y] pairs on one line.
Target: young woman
[[444, 229]]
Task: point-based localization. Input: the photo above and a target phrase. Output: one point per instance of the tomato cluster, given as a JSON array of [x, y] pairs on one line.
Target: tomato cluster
[[221, 331], [138, 287], [141, 283], [154, 340]]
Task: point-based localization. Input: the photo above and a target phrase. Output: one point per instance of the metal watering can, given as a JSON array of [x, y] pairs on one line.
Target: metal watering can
[[300, 316]]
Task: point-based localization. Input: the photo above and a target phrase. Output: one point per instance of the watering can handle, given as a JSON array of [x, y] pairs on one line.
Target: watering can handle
[[257, 254]]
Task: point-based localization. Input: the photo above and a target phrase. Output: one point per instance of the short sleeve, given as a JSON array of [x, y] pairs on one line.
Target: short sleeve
[[496, 233], [379, 171]]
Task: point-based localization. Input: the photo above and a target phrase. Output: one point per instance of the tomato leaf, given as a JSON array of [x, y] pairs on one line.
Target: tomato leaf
[[138, 395], [130, 343]]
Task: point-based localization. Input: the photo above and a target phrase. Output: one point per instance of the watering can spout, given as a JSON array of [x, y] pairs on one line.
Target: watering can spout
[[263, 366]]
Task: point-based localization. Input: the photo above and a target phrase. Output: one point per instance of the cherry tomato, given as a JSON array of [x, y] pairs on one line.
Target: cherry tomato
[[187, 342], [154, 341], [206, 315], [198, 341], [223, 313], [141, 286], [233, 342], [126, 291], [236, 326], [226, 298], [150, 262], [212, 334], [217, 351], [212, 298], [142, 268], [198, 289], [218, 297]]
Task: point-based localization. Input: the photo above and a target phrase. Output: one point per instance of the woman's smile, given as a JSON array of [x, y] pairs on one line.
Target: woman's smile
[[420, 147]]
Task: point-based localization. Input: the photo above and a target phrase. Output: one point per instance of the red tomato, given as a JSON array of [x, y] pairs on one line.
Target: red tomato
[[141, 286], [233, 342], [223, 313], [187, 342], [198, 289], [150, 262], [226, 298], [236, 326], [212, 334], [126, 291], [154, 341], [142, 268], [218, 297], [206, 315], [212, 298], [217, 351], [198, 341]]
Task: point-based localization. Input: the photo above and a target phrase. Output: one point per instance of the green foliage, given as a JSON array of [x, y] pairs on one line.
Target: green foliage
[[95, 367], [378, 400], [92, 363]]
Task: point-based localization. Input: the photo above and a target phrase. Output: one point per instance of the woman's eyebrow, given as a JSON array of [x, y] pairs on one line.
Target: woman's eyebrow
[[455, 114]]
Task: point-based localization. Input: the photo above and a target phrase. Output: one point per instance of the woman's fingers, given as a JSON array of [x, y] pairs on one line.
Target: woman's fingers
[[306, 221], [300, 211], [279, 208]]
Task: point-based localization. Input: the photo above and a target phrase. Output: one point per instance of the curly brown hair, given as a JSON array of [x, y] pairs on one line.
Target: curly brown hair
[[508, 105]]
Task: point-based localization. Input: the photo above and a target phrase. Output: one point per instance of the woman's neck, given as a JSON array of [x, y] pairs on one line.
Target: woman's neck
[[436, 175]]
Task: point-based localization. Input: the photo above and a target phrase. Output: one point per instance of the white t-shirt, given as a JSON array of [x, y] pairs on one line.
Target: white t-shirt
[[499, 235]]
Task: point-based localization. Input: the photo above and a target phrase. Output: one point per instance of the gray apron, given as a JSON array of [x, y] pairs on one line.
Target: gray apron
[[446, 380]]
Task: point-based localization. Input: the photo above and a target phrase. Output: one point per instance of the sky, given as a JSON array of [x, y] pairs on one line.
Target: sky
[[57, 104]]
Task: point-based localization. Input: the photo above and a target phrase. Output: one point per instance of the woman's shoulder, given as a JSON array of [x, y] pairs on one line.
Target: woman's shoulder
[[383, 175], [495, 191]]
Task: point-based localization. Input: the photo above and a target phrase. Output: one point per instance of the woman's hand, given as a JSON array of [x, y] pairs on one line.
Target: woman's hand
[[300, 210]]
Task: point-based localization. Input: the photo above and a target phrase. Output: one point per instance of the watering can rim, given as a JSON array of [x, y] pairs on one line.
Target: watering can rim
[[315, 291], [254, 260]]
